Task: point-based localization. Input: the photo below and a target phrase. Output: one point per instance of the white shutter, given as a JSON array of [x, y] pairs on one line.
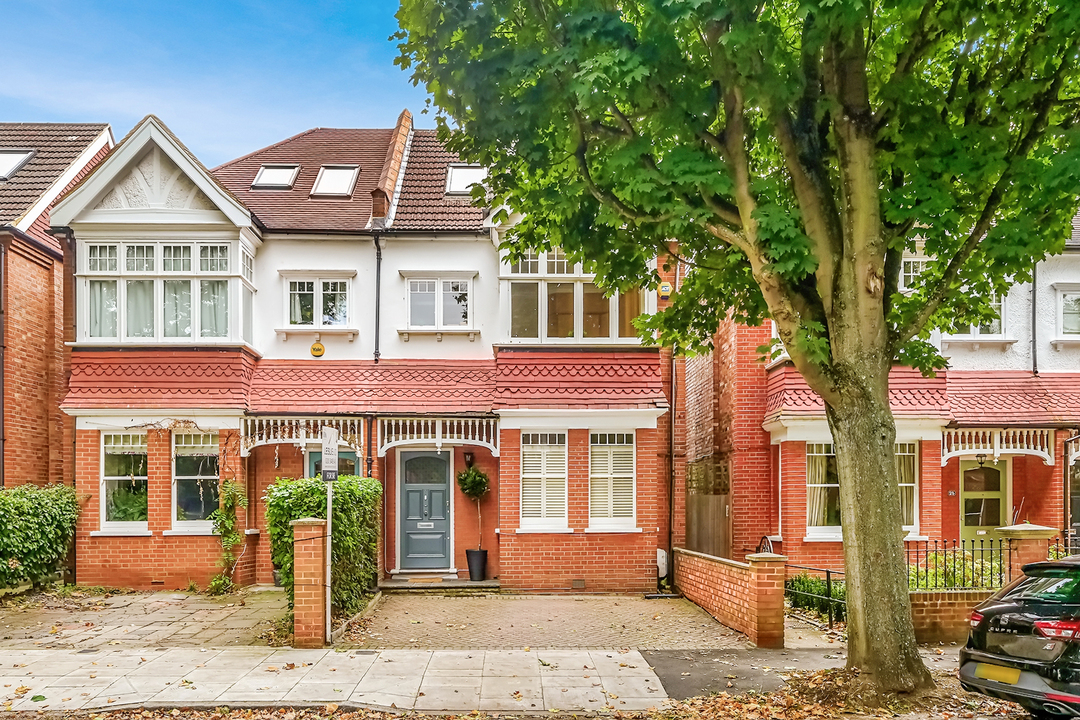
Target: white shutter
[[622, 482], [599, 482], [532, 483], [555, 482], [543, 481], [611, 481]]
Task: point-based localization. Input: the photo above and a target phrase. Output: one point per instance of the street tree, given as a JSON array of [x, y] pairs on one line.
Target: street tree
[[795, 150]]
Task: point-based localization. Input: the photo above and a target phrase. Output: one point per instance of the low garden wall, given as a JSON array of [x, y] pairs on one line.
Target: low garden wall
[[942, 615], [747, 597]]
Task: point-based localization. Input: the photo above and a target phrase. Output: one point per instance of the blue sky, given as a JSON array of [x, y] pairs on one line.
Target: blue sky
[[227, 77]]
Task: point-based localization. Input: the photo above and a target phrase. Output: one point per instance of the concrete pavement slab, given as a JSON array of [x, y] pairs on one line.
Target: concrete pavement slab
[[183, 694], [448, 693], [320, 692], [521, 693]]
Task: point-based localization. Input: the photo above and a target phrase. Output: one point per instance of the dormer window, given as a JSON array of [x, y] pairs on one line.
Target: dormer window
[[12, 160], [336, 180], [275, 177], [461, 178]]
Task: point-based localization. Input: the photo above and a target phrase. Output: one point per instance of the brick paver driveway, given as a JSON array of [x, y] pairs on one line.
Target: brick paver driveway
[[163, 619], [504, 622]]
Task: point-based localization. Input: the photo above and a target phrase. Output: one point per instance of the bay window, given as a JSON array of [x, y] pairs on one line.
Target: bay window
[[543, 481], [124, 482], [552, 300], [159, 292]]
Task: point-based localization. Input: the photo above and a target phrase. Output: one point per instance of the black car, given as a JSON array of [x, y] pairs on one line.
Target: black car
[[1024, 643]]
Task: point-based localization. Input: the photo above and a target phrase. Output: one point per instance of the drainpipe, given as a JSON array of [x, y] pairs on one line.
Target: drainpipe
[[3, 350], [671, 457], [378, 292], [1034, 319]]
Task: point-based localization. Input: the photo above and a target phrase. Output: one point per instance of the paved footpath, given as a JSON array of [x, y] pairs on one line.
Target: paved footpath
[[447, 680]]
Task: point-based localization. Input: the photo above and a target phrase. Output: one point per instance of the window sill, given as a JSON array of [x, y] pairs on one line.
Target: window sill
[[163, 344], [177, 532], [1065, 342], [318, 332], [120, 533], [544, 531], [824, 538], [613, 531], [1002, 344], [438, 333], [251, 531], [916, 538], [586, 343]]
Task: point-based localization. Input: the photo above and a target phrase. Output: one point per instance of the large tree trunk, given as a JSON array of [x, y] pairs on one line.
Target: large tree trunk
[[881, 637]]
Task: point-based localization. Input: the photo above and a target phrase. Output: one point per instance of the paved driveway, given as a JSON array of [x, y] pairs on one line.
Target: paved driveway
[[164, 619], [493, 622]]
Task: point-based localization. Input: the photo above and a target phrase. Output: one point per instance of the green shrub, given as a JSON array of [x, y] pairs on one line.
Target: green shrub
[[355, 532], [230, 498], [957, 568], [813, 585], [36, 527]]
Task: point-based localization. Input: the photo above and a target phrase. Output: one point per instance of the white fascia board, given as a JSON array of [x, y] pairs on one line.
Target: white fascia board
[[104, 139], [125, 419], [117, 161], [628, 419], [816, 429]]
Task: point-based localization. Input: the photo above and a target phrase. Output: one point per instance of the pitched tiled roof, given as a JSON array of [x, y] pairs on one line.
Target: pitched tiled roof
[[391, 386], [423, 204], [159, 379], [587, 379], [993, 399], [57, 145], [910, 394], [295, 209]]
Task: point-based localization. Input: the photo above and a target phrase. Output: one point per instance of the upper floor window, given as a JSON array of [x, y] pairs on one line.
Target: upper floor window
[[275, 177], [439, 303], [552, 300], [319, 302], [461, 178], [11, 161], [155, 291], [336, 180], [990, 330], [1070, 313], [910, 270]]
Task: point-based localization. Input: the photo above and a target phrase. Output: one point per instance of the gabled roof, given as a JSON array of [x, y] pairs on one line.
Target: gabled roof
[[607, 379], [423, 204], [295, 209], [150, 131], [57, 147]]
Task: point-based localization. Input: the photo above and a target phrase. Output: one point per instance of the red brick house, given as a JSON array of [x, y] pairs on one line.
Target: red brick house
[[38, 162], [343, 277]]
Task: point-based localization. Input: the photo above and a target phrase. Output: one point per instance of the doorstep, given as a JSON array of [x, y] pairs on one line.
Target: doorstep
[[435, 584]]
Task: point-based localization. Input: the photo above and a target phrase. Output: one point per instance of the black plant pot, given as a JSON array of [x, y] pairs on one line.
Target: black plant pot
[[477, 564]]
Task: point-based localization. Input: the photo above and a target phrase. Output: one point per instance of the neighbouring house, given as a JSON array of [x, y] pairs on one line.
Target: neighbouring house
[[38, 162], [344, 278], [986, 443]]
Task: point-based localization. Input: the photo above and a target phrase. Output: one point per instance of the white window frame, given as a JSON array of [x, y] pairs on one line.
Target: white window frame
[[27, 156], [975, 335], [316, 314], [511, 274], [315, 192], [916, 451], [121, 527], [257, 185], [1061, 290], [905, 263], [439, 321], [549, 523], [462, 166], [201, 527], [121, 275], [608, 448]]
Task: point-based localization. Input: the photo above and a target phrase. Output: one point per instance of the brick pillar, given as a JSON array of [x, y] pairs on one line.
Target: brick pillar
[[1027, 543], [767, 572], [309, 583]]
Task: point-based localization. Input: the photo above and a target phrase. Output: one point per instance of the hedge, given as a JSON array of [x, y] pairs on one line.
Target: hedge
[[355, 531], [36, 527], [813, 585]]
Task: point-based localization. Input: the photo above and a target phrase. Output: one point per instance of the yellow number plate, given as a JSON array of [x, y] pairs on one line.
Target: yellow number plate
[[995, 672]]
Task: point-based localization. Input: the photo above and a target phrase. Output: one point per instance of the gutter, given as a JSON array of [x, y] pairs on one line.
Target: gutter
[[33, 241]]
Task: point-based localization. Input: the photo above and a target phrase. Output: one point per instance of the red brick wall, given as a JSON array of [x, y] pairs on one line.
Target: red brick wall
[[309, 583], [605, 561], [942, 616]]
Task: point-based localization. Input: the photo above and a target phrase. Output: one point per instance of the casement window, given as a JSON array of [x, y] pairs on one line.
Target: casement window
[[993, 329], [461, 178], [275, 177], [195, 480], [543, 481], [124, 482], [335, 180], [11, 161], [553, 301], [1068, 314], [823, 488], [439, 303], [319, 302], [157, 292], [910, 270], [611, 481]]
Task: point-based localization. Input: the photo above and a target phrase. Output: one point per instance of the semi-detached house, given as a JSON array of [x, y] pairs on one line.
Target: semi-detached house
[[344, 278]]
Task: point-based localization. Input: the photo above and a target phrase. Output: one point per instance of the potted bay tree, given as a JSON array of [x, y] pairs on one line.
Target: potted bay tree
[[474, 485]]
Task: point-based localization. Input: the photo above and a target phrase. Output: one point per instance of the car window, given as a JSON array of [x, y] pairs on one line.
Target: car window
[[1051, 585]]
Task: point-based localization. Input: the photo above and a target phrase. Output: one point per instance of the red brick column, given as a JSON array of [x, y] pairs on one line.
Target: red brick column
[[767, 572], [309, 583], [1027, 543]]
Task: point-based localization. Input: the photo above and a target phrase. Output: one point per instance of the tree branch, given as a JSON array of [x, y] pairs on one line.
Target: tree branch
[[919, 41]]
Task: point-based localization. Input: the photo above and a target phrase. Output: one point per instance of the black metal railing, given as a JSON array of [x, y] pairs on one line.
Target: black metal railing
[[818, 589], [1063, 547], [957, 564]]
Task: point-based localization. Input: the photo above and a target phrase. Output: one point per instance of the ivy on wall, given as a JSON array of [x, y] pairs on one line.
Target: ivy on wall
[[36, 528]]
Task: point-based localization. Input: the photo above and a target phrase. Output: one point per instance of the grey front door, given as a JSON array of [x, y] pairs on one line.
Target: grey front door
[[425, 510]]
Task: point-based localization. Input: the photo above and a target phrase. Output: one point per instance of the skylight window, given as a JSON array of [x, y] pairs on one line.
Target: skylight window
[[461, 178], [12, 160], [276, 177], [336, 180]]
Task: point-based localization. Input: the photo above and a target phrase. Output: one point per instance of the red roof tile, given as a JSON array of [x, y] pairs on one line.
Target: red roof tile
[[588, 379], [149, 379], [423, 204], [993, 399], [910, 394], [391, 386], [295, 209]]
